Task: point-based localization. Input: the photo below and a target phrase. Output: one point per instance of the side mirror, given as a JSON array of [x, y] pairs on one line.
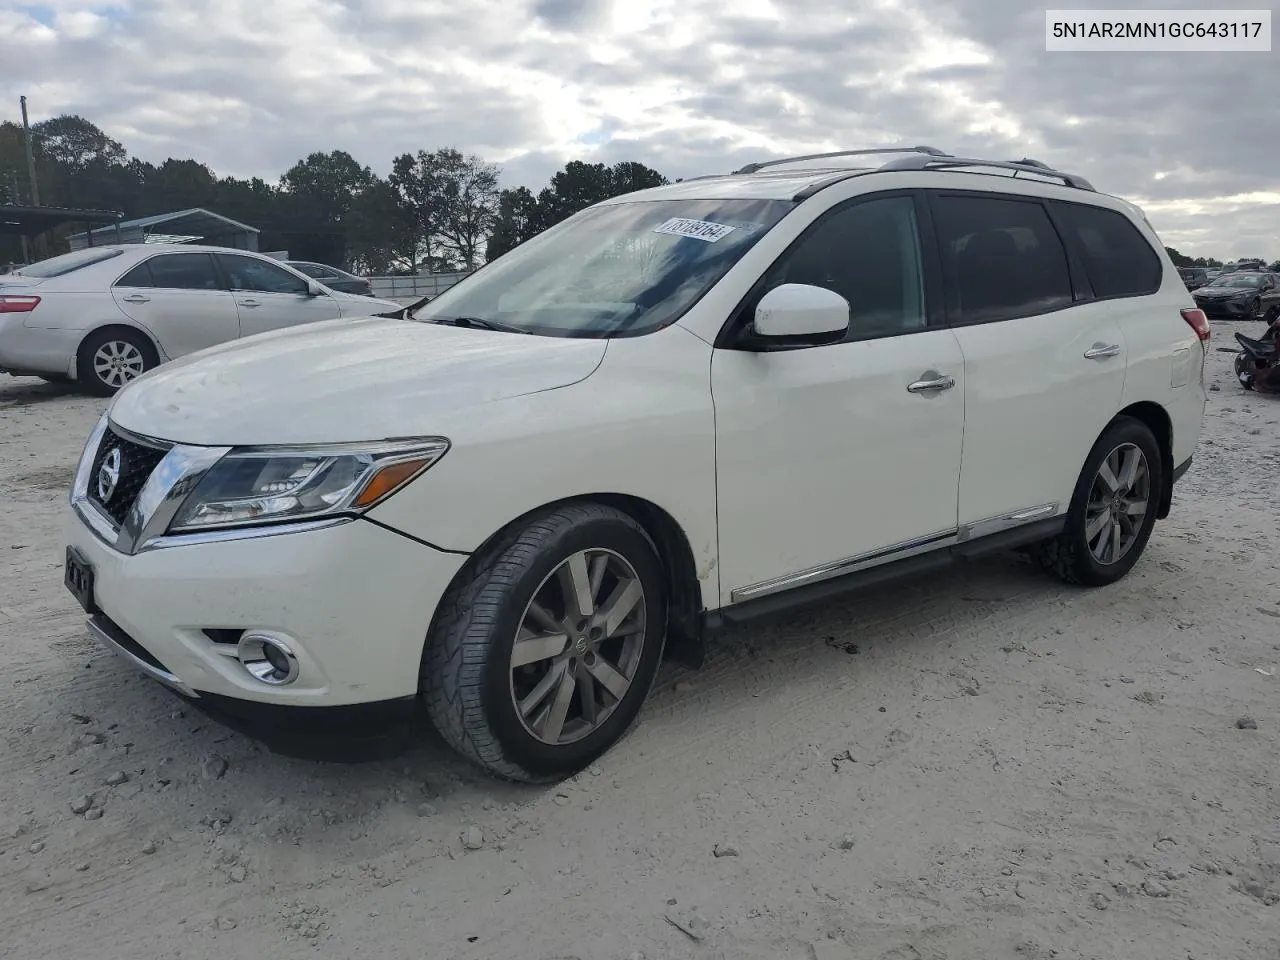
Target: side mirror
[[314, 289], [801, 314]]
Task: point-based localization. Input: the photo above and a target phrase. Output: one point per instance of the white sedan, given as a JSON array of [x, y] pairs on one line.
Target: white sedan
[[105, 315]]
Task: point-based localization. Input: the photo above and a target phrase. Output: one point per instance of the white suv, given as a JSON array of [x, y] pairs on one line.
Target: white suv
[[678, 409]]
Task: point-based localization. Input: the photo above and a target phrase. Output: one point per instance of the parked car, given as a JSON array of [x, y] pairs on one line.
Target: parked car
[[675, 411], [1193, 277], [333, 278], [1244, 295], [105, 315]]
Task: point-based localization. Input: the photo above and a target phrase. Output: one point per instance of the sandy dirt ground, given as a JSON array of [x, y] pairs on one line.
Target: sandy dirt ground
[[984, 765]]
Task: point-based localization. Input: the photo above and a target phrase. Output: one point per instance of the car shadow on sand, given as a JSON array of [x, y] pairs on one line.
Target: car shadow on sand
[[906, 632], [27, 391]]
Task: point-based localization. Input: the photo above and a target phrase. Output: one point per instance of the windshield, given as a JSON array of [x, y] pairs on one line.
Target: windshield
[[57, 266], [617, 270], [1238, 280]]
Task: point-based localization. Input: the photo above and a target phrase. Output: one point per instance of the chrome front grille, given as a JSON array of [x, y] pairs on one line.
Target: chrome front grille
[[121, 467]]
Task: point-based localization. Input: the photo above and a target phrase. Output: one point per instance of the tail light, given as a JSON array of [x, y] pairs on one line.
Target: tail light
[[18, 304], [1198, 322]]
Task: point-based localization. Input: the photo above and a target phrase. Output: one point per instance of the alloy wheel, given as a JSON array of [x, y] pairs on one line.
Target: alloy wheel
[[117, 362], [578, 646], [1118, 504]]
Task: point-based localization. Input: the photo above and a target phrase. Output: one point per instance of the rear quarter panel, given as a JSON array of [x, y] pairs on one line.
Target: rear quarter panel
[[1166, 357]]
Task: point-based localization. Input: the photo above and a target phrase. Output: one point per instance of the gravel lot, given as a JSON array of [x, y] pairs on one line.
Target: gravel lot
[[984, 765]]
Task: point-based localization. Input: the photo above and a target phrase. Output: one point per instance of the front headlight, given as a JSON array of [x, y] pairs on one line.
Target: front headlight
[[269, 485]]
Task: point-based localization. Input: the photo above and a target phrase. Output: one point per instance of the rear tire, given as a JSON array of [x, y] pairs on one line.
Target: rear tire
[[548, 709], [1124, 471], [110, 359]]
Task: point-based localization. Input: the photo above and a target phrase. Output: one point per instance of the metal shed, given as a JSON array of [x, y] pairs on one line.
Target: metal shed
[[196, 225]]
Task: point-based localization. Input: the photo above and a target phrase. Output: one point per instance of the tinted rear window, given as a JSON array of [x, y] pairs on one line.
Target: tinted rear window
[[1004, 256], [67, 262], [1117, 258]]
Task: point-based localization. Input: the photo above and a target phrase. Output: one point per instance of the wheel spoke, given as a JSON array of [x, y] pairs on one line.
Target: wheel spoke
[[598, 567], [553, 724], [575, 581], [545, 620], [1116, 540], [1095, 525], [531, 647], [1131, 461], [1108, 477], [587, 697], [609, 677], [1135, 508], [1100, 548], [621, 602], [539, 693]]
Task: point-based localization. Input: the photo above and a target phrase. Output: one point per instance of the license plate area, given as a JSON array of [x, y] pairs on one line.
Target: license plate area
[[78, 578]]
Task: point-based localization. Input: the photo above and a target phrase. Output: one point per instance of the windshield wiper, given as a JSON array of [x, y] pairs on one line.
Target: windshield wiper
[[479, 323]]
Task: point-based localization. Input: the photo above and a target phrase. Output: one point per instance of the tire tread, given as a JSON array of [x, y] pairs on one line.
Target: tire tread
[[457, 648]]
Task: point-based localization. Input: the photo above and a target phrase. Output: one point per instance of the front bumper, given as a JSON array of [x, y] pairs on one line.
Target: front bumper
[[353, 600], [1225, 309]]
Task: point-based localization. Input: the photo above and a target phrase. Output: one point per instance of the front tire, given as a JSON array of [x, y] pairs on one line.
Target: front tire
[[544, 648], [1113, 508], [111, 359]]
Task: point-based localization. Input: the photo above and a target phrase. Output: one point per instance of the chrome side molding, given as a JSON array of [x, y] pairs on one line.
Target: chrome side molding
[[897, 551]]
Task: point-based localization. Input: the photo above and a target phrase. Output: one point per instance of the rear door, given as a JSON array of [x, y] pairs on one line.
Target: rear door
[[1044, 368], [181, 299], [269, 297]]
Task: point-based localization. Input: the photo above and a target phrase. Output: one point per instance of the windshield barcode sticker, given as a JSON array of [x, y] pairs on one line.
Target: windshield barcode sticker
[[697, 229]]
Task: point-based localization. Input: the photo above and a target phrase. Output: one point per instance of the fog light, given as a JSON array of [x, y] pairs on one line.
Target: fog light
[[267, 658]]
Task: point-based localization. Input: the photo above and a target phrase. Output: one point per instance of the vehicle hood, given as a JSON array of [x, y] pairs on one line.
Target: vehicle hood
[[1224, 292], [345, 380]]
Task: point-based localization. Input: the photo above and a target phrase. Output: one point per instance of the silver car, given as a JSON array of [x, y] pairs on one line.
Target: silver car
[[105, 315]]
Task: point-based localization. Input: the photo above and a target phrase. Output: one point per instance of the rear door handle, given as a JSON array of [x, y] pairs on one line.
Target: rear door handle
[[136, 298], [249, 303], [931, 381], [1101, 351]]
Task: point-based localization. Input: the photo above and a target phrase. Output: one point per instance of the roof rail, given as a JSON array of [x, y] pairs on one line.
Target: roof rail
[[1017, 166], [753, 167]]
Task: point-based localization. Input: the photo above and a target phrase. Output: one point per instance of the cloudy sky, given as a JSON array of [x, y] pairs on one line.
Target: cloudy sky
[[686, 86]]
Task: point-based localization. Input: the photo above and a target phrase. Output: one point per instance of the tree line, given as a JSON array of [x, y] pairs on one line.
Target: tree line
[[437, 210]]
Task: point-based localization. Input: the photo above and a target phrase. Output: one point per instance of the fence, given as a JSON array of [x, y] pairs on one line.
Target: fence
[[414, 288]]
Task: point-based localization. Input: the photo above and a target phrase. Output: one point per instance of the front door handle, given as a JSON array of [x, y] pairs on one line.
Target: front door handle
[[1101, 351], [136, 298], [931, 381], [249, 303]]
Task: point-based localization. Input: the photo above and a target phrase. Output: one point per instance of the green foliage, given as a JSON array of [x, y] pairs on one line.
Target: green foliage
[[438, 210]]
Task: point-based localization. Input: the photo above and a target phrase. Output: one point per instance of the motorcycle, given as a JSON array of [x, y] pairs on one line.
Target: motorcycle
[[1257, 365]]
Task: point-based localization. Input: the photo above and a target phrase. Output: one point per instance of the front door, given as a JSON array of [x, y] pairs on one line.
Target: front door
[[1044, 363], [269, 297], [181, 299], [833, 457]]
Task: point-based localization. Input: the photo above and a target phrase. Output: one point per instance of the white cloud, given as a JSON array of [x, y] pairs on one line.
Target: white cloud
[[687, 86]]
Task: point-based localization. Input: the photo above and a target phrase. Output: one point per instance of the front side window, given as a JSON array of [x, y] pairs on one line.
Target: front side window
[[1117, 259], [184, 271], [1004, 257], [247, 274], [869, 253], [616, 270]]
